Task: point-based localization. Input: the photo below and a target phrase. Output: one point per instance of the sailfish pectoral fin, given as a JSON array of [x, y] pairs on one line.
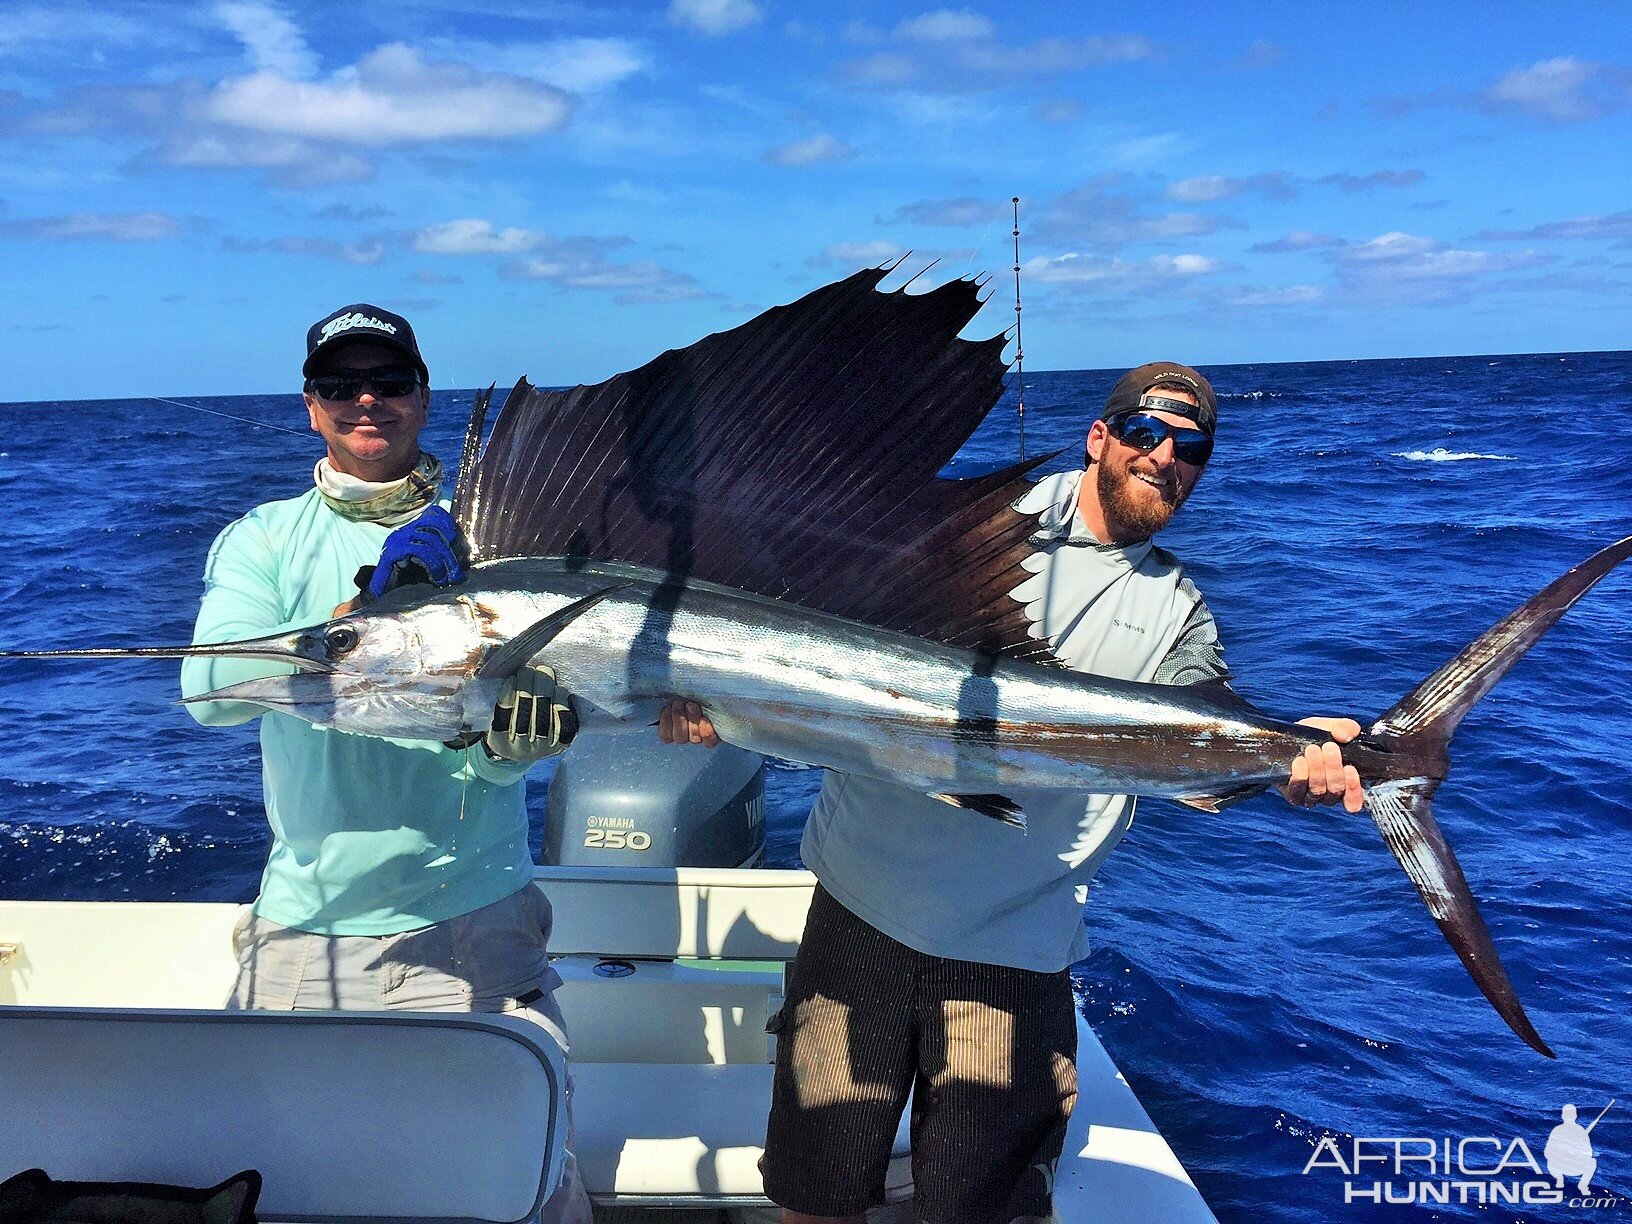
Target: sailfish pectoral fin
[[1404, 815], [998, 807], [1218, 801], [515, 654]]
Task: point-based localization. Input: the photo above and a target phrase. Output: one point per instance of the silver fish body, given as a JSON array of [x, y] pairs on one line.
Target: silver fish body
[[779, 679], [782, 679]]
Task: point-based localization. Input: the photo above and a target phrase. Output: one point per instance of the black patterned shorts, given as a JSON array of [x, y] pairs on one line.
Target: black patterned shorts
[[987, 1051]]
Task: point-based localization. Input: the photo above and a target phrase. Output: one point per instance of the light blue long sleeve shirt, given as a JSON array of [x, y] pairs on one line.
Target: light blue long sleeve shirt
[[370, 836]]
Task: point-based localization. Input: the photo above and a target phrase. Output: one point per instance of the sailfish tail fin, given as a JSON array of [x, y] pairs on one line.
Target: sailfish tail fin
[[1431, 711], [1404, 815], [1417, 732]]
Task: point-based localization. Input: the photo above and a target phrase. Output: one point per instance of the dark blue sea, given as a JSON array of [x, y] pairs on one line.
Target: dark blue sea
[[1266, 978]]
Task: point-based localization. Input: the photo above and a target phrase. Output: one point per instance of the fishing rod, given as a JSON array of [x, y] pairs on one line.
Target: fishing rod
[[1600, 1116], [228, 416], [413, 478], [1019, 345]]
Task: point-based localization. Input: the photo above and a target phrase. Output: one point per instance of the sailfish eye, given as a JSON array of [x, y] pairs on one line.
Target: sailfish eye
[[342, 639]]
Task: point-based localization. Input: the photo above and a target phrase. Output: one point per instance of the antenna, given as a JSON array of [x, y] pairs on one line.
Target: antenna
[[1019, 345]]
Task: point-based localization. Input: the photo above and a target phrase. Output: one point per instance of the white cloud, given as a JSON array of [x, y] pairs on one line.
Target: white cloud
[[347, 213], [49, 28], [1058, 110], [275, 43], [1186, 265], [1392, 247], [1148, 150], [857, 254], [473, 236], [947, 25], [1558, 89], [1354, 183], [714, 17], [1083, 270], [1300, 240], [1609, 226], [886, 68], [292, 163], [307, 130], [581, 263], [1286, 295], [959, 51], [577, 65], [576, 263], [1417, 270], [963, 211], [811, 151], [95, 227], [1261, 54], [1097, 215], [1204, 188], [358, 254], [391, 96], [587, 65]]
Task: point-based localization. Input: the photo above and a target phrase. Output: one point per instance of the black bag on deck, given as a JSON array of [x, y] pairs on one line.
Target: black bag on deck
[[33, 1198]]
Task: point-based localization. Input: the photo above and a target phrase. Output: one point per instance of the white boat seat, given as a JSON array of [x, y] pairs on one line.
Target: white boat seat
[[347, 1115], [669, 975], [665, 912], [676, 1135]]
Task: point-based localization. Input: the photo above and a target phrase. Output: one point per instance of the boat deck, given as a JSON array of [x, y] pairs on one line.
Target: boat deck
[[669, 977]]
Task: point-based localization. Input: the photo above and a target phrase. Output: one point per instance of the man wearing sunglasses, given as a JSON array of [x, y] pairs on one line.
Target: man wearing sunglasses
[[935, 956], [400, 875]]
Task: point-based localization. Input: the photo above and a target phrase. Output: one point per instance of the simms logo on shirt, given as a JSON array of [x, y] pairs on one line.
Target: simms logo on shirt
[[1122, 624], [348, 321]]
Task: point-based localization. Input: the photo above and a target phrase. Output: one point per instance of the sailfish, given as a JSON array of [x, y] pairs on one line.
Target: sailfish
[[758, 523]]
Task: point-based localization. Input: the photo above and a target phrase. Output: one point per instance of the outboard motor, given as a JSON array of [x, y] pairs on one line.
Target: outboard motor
[[631, 801]]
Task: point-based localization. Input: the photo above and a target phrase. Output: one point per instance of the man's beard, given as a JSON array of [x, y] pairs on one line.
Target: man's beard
[[1133, 509]]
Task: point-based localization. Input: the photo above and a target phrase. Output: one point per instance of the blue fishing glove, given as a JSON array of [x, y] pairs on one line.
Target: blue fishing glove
[[426, 550]]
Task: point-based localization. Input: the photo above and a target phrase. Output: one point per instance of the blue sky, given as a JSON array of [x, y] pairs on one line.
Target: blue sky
[[563, 190]]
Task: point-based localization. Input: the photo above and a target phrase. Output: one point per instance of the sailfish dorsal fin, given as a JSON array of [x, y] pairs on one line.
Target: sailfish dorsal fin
[[795, 456]]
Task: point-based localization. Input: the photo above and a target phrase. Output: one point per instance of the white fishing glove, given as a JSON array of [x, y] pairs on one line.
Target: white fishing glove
[[532, 719]]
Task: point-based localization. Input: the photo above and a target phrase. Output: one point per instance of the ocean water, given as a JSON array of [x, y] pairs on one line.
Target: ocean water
[[1266, 978]]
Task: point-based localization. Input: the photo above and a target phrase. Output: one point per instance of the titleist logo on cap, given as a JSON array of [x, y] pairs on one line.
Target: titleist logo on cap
[[348, 321]]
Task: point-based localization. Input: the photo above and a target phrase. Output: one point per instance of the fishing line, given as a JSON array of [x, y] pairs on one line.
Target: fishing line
[[980, 246], [1019, 345], [228, 416]]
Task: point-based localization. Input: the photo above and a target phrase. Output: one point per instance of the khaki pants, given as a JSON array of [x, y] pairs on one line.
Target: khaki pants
[[495, 959]]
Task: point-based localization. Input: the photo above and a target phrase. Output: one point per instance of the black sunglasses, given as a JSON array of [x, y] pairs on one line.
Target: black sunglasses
[[387, 381], [1145, 433]]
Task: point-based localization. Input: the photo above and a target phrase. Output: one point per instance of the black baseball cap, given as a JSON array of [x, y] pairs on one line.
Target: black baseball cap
[[1125, 395], [360, 322]]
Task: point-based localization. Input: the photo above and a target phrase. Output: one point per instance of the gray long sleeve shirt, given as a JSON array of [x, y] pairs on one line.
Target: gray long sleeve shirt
[[959, 885]]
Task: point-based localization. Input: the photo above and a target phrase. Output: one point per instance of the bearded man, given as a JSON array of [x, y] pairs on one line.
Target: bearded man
[[936, 951]]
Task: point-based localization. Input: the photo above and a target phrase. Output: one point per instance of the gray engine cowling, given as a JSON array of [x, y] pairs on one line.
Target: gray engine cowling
[[631, 801]]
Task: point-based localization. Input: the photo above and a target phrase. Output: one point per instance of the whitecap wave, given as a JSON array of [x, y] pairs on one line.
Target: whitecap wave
[[1440, 455]]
